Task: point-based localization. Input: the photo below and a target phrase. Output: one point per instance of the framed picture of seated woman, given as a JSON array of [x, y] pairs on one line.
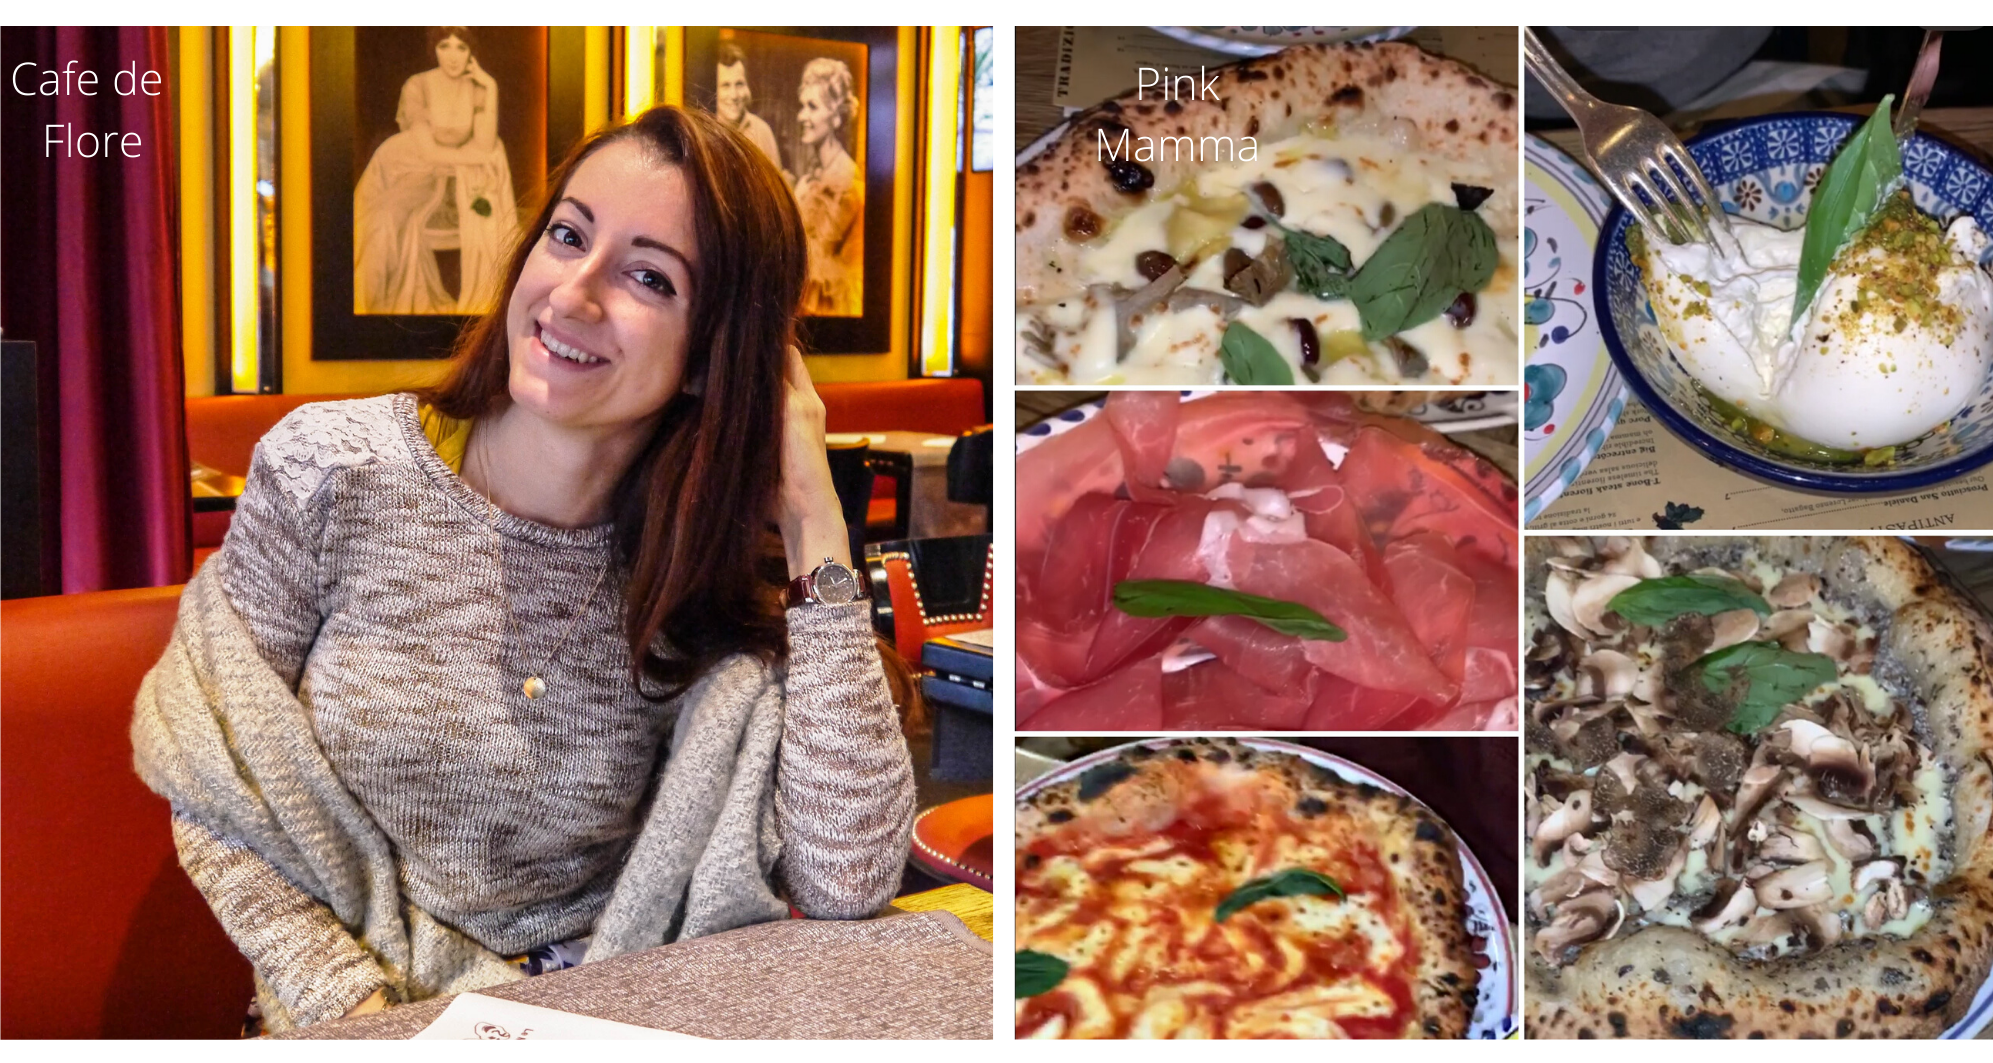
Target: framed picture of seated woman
[[427, 145], [821, 104]]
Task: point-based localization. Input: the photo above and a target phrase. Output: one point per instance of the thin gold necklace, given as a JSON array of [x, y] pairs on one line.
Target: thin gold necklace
[[534, 686]]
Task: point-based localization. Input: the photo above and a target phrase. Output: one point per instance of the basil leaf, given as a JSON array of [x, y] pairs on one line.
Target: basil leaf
[[1293, 882], [1038, 973], [1657, 601], [1321, 264], [1421, 268], [1250, 359], [1869, 165], [1767, 676], [1175, 597]]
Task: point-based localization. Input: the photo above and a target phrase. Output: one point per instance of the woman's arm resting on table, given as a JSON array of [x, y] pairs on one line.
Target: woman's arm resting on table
[[844, 782], [302, 951]]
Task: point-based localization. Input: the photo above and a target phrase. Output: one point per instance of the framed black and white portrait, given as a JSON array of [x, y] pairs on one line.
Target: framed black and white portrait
[[820, 103], [427, 145]]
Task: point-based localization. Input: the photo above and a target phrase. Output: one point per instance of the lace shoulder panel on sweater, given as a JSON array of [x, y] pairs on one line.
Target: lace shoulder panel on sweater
[[318, 437]]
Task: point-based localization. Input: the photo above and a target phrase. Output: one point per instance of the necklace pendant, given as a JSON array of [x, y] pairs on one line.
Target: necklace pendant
[[535, 687]]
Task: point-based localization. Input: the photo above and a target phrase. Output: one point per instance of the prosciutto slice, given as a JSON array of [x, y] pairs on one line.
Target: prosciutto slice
[[1404, 541]]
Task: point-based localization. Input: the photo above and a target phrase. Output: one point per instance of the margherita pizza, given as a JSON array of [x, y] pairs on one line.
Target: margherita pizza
[[1330, 213], [1208, 889], [1758, 786]]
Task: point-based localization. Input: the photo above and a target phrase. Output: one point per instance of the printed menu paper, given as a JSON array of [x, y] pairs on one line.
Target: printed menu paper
[[1646, 478], [473, 1017]]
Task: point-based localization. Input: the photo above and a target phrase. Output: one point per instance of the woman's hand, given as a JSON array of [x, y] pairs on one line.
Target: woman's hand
[[478, 76], [807, 509], [377, 1002]]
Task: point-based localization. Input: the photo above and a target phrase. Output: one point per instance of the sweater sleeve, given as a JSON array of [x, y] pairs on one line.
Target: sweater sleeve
[[302, 951], [269, 567], [844, 787]]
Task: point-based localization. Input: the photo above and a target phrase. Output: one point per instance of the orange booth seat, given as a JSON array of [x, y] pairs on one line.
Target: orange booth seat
[[222, 430], [104, 936]]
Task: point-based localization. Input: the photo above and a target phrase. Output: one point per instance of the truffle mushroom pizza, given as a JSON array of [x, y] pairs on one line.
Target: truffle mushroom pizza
[[1757, 789], [1340, 214]]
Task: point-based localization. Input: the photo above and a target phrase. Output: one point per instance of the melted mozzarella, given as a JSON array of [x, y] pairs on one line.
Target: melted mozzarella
[[1353, 187]]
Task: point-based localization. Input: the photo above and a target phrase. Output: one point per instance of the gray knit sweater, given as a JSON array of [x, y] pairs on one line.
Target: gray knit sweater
[[369, 577]]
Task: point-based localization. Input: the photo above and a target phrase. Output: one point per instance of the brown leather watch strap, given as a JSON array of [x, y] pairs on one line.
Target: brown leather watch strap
[[799, 588]]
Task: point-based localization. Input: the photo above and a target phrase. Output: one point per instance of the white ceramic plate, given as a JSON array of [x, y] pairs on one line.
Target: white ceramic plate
[[1572, 394], [1495, 1008]]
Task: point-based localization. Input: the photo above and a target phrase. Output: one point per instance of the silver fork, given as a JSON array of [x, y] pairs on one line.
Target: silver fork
[[1633, 155]]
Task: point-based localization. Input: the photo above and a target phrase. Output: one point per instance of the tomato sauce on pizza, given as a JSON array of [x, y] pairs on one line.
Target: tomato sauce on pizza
[[1125, 875]]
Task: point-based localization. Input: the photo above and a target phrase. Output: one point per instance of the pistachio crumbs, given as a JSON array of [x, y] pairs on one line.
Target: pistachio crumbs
[[1897, 261]]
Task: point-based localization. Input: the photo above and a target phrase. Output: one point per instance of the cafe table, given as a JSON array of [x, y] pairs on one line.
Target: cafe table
[[918, 461], [911, 974]]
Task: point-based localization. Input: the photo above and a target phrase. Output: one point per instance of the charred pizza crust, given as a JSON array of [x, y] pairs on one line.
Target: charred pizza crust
[[1669, 982], [1139, 791], [1066, 191]]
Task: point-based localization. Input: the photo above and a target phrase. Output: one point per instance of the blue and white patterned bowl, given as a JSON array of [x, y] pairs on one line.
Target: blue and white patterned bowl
[[1765, 169]]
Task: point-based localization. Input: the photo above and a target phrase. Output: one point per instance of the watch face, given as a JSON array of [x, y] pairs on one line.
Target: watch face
[[836, 585]]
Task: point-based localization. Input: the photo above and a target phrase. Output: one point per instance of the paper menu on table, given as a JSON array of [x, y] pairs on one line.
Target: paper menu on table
[[1645, 478], [473, 1017], [985, 638]]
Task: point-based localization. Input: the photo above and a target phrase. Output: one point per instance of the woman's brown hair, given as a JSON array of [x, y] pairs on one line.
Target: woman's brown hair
[[692, 511]]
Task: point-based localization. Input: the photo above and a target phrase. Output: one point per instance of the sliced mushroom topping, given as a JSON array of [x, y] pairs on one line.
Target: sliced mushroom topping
[[1752, 790], [1610, 672], [1588, 602], [1574, 816], [1625, 556], [1790, 846], [1830, 639], [1788, 628], [1557, 590], [1732, 627], [1890, 902], [1779, 815], [1841, 770], [1767, 934], [1581, 920], [1708, 821], [1876, 911], [1794, 591], [1845, 839], [1569, 546], [1578, 876], [1819, 809], [1822, 926], [1796, 887], [1652, 893], [1873, 872], [1731, 906]]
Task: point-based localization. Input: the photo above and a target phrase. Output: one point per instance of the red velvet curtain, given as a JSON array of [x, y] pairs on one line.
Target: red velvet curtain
[[91, 257]]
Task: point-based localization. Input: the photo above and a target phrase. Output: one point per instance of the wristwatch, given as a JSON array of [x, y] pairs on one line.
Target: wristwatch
[[828, 584]]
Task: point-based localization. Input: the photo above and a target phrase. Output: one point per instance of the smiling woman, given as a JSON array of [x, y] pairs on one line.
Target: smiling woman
[[519, 637]]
